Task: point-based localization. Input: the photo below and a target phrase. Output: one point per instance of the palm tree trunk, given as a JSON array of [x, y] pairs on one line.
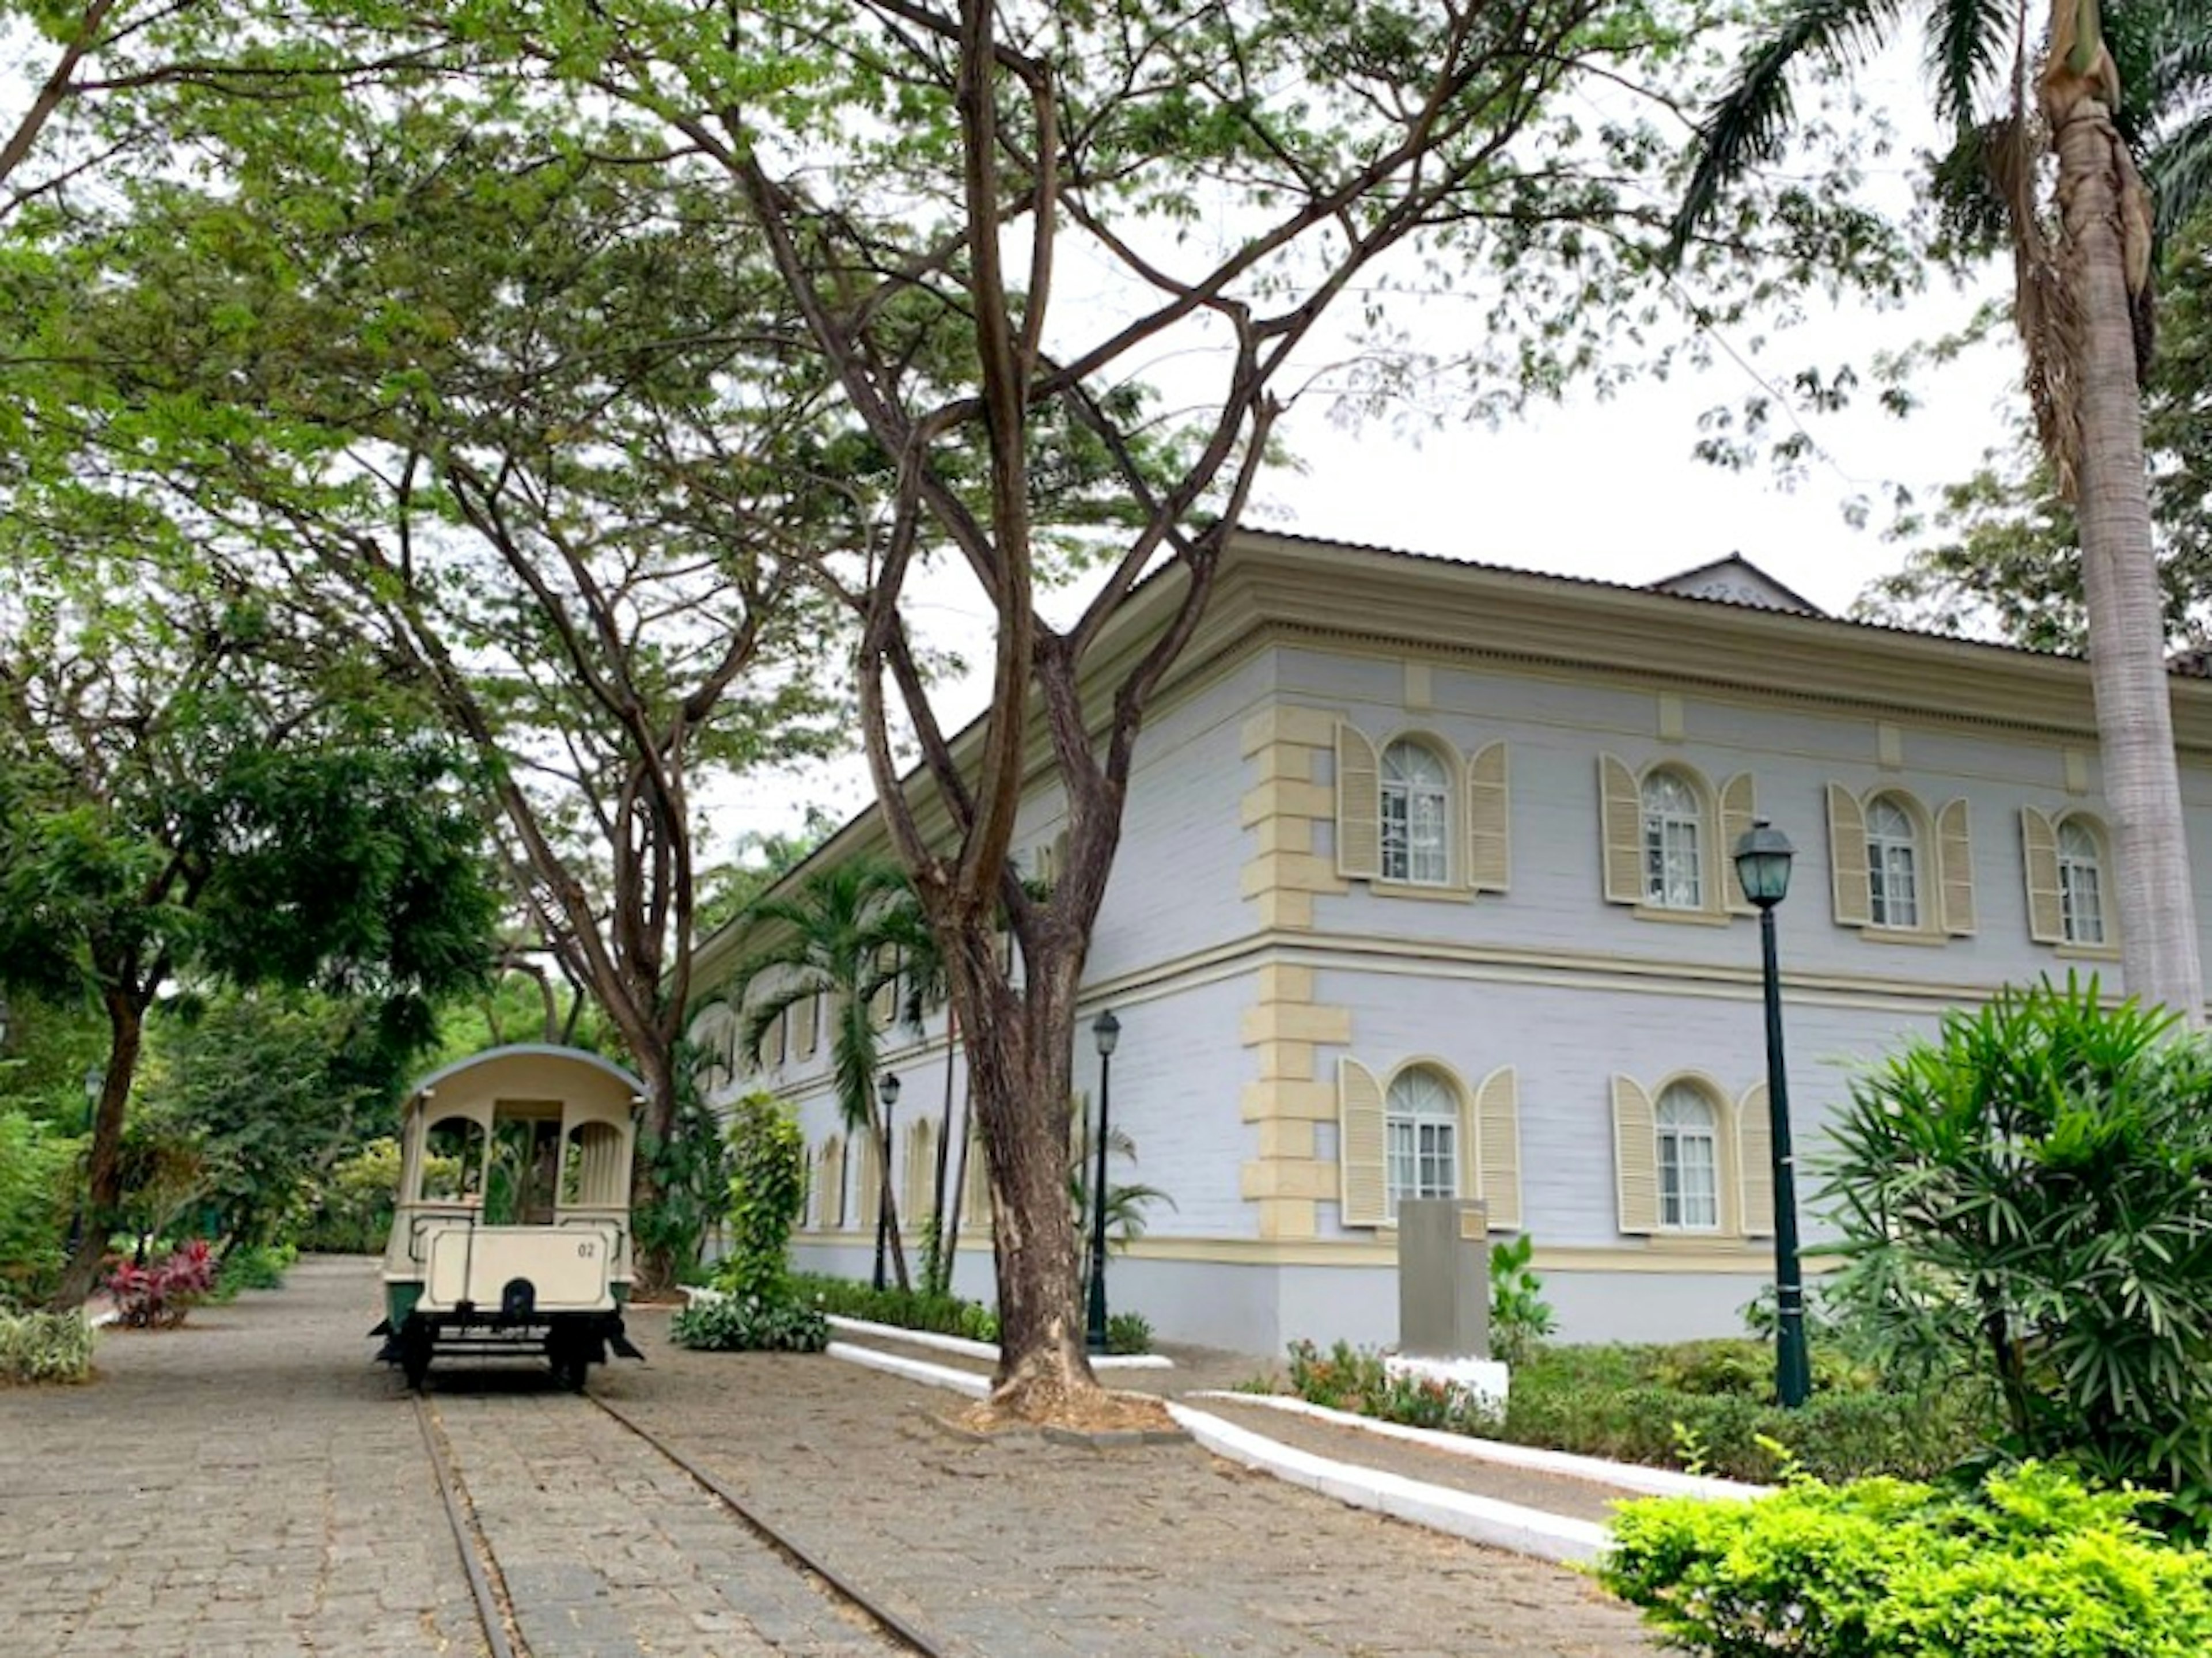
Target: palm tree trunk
[[2099, 191]]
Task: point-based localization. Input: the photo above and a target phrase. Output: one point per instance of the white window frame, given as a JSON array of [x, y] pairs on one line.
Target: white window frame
[[1682, 1208], [1414, 817], [1421, 1127], [1672, 840], [2081, 884], [1894, 864]]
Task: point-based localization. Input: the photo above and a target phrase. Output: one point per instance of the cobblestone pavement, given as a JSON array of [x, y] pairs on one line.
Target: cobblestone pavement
[[608, 1548], [1021, 1549], [250, 1486], [245, 1485]]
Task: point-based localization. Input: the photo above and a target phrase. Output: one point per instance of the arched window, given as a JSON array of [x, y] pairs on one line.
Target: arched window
[[1416, 815], [1674, 820], [1893, 864], [452, 1160], [2081, 882], [1421, 1127], [1689, 1160]]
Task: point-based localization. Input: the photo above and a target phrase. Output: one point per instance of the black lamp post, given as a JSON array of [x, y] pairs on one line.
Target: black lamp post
[[1105, 1030], [1762, 865], [887, 1088]]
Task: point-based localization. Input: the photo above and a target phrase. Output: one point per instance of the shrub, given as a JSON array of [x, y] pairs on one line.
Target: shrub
[[36, 1169], [2031, 1565], [768, 1188], [2025, 1198], [730, 1324], [350, 1213], [252, 1266], [45, 1347], [1520, 1317], [157, 1297], [909, 1309], [1706, 1402], [1128, 1333]]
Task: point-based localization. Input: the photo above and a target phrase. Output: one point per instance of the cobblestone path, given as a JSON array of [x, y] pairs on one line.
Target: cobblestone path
[[247, 1485]]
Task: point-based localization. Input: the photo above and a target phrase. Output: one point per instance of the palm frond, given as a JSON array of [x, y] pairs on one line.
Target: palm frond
[[2180, 171], [1747, 126], [1972, 47]]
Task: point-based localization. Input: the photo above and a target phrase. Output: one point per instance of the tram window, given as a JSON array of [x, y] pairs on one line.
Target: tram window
[[593, 1172], [519, 1189], [452, 1161]]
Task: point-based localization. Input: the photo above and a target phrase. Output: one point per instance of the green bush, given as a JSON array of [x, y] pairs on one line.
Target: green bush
[[45, 1347], [909, 1309], [2032, 1565], [768, 1188], [1520, 1317], [1128, 1333], [2025, 1199], [349, 1212], [37, 1168], [1710, 1403], [252, 1266], [732, 1324]]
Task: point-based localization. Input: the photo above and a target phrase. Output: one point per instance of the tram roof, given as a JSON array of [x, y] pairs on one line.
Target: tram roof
[[525, 1050]]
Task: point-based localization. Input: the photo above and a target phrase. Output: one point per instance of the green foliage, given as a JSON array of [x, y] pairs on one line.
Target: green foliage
[[767, 1191], [348, 1211], [1520, 1317], [2031, 1565], [732, 1324], [1346, 1378], [252, 1266], [1712, 1401], [691, 1174], [2023, 1200], [45, 1347], [1128, 1333], [909, 1309], [38, 1174]]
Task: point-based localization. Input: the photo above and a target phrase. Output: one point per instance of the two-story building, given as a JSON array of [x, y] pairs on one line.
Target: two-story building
[[1424, 889]]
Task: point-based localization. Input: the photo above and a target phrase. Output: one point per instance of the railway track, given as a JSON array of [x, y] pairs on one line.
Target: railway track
[[853, 1622]]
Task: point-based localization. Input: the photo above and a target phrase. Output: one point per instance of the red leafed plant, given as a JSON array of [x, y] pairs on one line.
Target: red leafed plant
[[157, 1297]]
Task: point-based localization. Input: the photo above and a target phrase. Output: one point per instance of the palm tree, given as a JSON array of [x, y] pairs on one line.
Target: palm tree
[[2083, 261], [836, 936]]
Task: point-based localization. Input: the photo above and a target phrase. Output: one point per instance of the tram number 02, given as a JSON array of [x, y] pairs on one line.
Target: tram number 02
[[587, 1249]]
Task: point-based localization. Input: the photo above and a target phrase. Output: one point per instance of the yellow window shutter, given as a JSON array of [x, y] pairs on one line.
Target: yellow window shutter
[[1497, 1143], [976, 1187], [1358, 804], [2047, 909], [1847, 858], [833, 1184], [1621, 811], [1489, 830], [883, 1005], [1635, 1157], [872, 1181], [1754, 1156], [1365, 1193], [1955, 852], [1739, 807], [805, 1017], [921, 1171]]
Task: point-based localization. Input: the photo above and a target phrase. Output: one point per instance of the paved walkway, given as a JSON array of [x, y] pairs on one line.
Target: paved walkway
[[250, 1484]]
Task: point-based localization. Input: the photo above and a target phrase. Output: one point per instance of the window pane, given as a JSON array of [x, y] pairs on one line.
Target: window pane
[[1674, 873], [2080, 885], [1893, 874], [1689, 1160]]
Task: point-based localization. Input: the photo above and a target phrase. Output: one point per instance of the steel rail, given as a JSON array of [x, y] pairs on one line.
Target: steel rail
[[469, 1541], [796, 1553]]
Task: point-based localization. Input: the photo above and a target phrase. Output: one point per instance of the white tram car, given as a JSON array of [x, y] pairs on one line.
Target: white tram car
[[511, 1229]]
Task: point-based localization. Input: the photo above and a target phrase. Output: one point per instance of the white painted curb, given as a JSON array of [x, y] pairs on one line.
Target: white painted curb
[[1478, 1519], [913, 1370], [1628, 1476], [945, 1343]]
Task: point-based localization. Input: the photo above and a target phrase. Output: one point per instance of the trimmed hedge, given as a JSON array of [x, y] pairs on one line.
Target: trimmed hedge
[[2032, 1565], [1704, 1405], [744, 1324], [944, 1316]]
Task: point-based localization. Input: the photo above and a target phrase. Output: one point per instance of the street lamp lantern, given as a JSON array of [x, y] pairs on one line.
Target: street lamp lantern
[[1106, 1031], [887, 1089], [1762, 865]]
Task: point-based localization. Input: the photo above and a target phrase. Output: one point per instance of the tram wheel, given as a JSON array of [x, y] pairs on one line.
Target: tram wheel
[[415, 1353]]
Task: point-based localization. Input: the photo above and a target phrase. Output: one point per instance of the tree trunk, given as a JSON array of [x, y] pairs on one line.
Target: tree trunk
[[653, 1265], [103, 1193], [1020, 1054], [2155, 903]]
